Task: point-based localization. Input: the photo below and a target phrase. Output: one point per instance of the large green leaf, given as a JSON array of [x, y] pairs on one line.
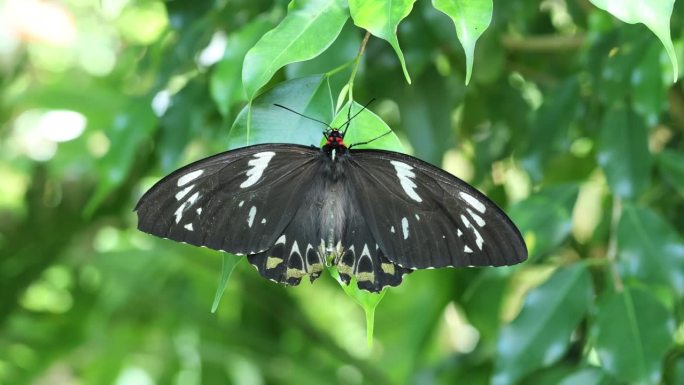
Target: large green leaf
[[650, 249], [655, 14], [381, 18], [225, 82], [623, 152], [471, 18], [633, 331], [541, 333], [262, 121], [309, 28], [545, 217]]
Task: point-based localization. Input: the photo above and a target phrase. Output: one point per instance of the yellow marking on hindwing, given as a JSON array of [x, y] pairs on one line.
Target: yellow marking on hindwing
[[272, 262], [345, 269], [294, 273], [387, 268], [365, 276], [315, 267]]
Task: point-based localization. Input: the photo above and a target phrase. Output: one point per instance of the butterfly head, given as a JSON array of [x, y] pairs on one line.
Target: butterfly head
[[334, 138]]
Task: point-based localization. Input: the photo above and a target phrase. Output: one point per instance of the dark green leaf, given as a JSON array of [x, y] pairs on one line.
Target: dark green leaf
[[229, 263], [633, 331], [588, 376], [671, 164], [541, 333], [650, 249], [623, 152]]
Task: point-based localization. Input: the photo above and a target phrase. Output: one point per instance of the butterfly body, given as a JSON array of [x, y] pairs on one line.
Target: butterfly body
[[293, 210]]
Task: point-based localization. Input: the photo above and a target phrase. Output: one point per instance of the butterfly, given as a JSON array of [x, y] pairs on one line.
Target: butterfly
[[375, 215]]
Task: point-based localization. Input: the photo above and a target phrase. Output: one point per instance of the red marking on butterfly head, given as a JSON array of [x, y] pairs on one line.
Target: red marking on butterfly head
[[335, 139]]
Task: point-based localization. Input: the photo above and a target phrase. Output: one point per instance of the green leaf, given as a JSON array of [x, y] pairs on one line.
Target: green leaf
[[225, 83], [367, 300], [650, 249], [545, 217], [381, 18], [367, 126], [588, 376], [541, 333], [633, 331], [471, 18], [262, 121], [653, 14], [309, 28], [671, 165], [649, 90], [229, 263], [623, 152]]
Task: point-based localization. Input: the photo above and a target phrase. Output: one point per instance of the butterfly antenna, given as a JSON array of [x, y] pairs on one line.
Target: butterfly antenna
[[302, 115], [368, 141], [349, 118]]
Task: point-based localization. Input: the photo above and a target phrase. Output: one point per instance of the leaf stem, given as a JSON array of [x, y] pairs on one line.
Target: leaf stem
[[362, 48], [611, 254]]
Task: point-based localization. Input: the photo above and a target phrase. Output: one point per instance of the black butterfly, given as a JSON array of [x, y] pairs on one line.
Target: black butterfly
[[376, 215]]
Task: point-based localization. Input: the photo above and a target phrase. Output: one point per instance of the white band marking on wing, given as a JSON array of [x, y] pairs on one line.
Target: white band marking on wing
[[259, 164], [405, 174]]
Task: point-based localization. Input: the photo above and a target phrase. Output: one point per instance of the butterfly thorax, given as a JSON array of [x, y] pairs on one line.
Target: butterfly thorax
[[334, 146]]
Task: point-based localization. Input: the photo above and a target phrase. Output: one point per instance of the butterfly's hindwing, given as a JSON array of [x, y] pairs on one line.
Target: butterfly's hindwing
[[361, 257], [423, 217], [239, 201]]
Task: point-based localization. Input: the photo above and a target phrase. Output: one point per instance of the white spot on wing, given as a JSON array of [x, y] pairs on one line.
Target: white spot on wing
[[263, 221], [189, 177], [258, 165], [199, 211], [405, 227], [471, 200], [185, 205], [392, 229], [189, 227], [417, 217], [478, 238], [405, 174], [478, 219], [459, 232], [365, 251], [184, 192], [282, 239], [241, 203], [467, 249], [252, 213], [295, 249]]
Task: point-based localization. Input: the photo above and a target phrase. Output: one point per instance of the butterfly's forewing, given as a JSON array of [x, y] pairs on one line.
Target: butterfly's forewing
[[424, 217], [240, 201]]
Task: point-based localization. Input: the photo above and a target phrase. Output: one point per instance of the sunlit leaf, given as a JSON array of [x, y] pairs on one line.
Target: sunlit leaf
[[650, 249], [654, 14], [263, 122], [381, 18], [367, 126], [309, 28], [623, 152], [471, 18], [541, 333], [633, 331]]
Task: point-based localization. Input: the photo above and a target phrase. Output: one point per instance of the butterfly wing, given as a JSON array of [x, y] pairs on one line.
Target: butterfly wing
[[248, 201], [423, 217]]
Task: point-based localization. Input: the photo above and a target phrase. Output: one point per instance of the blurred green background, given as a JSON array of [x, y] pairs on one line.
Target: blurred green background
[[570, 122]]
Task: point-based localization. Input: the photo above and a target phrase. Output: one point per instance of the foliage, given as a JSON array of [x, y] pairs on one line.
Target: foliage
[[570, 121]]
